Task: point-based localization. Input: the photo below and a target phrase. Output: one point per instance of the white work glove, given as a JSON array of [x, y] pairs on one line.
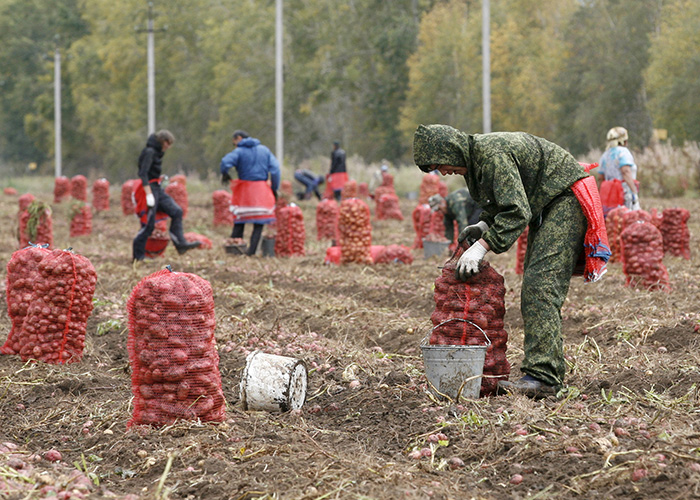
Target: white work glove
[[150, 200], [468, 263], [473, 233], [635, 202]]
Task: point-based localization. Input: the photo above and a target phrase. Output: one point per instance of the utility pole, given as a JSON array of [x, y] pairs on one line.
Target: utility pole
[[486, 62], [57, 107], [151, 63], [279, 82]]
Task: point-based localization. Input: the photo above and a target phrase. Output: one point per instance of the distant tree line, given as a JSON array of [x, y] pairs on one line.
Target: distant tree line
[[363, 72]]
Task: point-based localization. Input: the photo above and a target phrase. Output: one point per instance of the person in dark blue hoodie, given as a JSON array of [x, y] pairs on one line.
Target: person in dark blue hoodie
[[253, 198], [156, 200]]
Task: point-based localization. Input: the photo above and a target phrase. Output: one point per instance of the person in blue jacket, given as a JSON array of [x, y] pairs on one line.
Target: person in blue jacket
[[253, 198]]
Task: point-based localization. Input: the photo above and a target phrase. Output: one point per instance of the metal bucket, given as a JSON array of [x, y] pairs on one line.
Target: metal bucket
[[455, 371], [268, 246], [431, 248], [273, 383]]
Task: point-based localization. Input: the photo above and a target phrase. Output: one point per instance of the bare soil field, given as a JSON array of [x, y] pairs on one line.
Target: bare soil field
[[627, 427]]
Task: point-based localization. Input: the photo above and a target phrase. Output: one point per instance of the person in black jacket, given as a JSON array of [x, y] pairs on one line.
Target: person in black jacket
[[335, 181], [150, 165]]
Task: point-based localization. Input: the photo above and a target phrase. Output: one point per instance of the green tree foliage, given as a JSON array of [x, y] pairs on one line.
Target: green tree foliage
[[672, 75]]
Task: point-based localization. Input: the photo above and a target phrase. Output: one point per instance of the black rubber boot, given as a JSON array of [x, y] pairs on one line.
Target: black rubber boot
[[527, 385]]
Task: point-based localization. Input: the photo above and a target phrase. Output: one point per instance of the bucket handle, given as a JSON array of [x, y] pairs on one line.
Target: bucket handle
[[488, 341]]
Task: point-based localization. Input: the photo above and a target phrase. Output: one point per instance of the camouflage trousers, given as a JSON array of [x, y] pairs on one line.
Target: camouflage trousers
[[554, 243]]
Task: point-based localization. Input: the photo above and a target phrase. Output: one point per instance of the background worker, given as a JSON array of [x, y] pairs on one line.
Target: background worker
[[618, 173], [310, 181], [337, 176], [253, 199], [458, 207], [519, 179], [150, 165]]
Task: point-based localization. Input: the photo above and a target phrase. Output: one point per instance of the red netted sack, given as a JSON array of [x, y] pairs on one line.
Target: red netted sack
[[642, 257], [349, 190], [387, 180], [54, 328], [287, 189], [22, 274], [481, 301], [178, 192], [61, 189], [391, 254], [36, 225], [25, 200], [429, 186], [657, 218], [674, 229], [10, 191], [421, 223], [520, 252], [206, 243], [355, 231], [613, 226], [388, 207], [327, 212], [291, 234], [363, 190], [632, 216], [100, 195], [127, 199], [179, 178], [78, 187], [81, 220], [172, 350], [222, 208]]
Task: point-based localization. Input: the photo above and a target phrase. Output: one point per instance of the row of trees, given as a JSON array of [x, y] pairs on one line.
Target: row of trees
[[364, 72]]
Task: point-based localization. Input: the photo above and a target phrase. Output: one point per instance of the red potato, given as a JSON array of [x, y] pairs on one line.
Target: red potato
[[516, 479], [53, 455]]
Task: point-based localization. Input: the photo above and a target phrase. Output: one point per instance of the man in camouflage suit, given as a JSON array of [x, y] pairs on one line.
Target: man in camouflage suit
[[458, 207], [518, 179]]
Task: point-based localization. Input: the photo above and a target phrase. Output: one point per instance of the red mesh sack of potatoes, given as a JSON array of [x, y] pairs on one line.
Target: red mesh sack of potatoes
[[172, 350], [25, 200], [10, 191], [78, 187], [363, 190], [222, 208], [632, 216], [127, 200], [388, 207], [429, 186], [391, 254], [54, 328], [178, 192], [481, 302], [22, 274], [378, 192], [36, 225], [81, 220], [349, 190], [421, 223], [656, 219], [642, 249], [287, 189], [327, 212], [674, 230], [291, 234], [179, 178], [100, 195], [61, 189], [614, 224], [521, 251], [387, 180], [205, 243], [355, 231]]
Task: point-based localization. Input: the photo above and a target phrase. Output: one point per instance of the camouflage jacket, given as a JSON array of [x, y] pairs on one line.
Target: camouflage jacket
[[462, 208], [511, 175]]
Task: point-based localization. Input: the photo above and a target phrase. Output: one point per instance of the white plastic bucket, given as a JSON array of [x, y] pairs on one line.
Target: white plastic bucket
[[273, 383], [431, 248], [455, 371]]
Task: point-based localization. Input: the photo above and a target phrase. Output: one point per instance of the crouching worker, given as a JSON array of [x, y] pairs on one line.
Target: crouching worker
[[310, 181], [253, 199], [457, 207], [157, 201], [520, 180]]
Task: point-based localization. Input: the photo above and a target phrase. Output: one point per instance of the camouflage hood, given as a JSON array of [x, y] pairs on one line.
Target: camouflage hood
[[441, 145]]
